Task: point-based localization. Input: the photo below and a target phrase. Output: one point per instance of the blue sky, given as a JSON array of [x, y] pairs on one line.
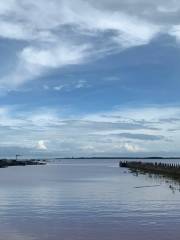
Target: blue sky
[[89, 78]]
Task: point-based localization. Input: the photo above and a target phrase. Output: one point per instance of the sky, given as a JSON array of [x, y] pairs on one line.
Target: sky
[[89, 78]]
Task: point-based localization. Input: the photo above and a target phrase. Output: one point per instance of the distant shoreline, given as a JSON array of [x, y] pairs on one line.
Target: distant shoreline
[[4, 163], [130, 158]]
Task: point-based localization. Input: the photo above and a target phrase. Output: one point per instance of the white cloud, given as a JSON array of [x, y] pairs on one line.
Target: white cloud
[[175, 32], [129, 31], [33, 62], [61, 55], [132, 148], [58, 33], [7, 6], [59, 87], [41, 145], [13, 31], [74, 85], [102, 133]]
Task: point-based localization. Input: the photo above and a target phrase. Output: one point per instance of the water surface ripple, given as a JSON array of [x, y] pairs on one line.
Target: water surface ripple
[[86, 199]]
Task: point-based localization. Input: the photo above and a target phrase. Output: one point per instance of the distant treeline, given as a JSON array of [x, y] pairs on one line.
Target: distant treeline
[[125, 158]]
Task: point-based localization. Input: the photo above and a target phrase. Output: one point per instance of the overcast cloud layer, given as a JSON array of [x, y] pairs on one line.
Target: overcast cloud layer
[[89, 77]]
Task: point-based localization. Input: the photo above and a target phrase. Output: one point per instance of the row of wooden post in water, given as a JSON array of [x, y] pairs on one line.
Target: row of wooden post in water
[[158, 168]]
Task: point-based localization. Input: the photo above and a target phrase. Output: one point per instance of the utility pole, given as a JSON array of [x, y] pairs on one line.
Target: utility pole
[[17, 155]]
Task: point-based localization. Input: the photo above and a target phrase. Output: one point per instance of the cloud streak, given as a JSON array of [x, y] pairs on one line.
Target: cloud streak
[[44, 42], [101, 135], [47, 38]]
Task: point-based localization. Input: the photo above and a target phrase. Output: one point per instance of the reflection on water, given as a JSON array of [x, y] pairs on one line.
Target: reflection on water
[[172, 183], [86, 199]]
